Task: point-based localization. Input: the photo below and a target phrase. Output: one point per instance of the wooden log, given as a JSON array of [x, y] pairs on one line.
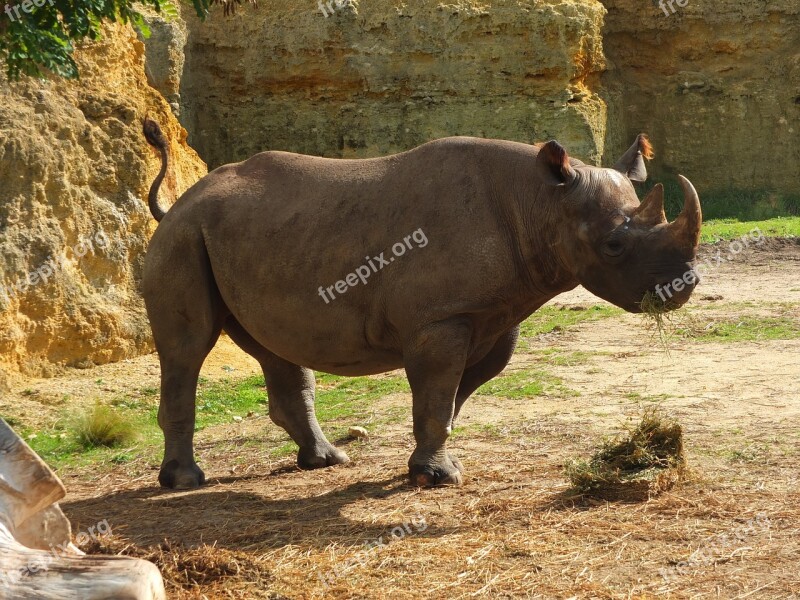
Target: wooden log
[[27, 574], [37, 558], [49, 528], [27, 484]]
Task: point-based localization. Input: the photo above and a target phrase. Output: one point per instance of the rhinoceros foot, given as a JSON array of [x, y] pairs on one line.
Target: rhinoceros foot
[[175, 476], [317, 457], [448, 472]]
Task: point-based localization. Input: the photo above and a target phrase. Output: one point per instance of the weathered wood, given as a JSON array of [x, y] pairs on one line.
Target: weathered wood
[[27, 484], [49, 528], [27, 574], [37, 558]]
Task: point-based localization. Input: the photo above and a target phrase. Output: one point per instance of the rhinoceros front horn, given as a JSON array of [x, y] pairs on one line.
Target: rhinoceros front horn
[[651, 211], [686, 228]]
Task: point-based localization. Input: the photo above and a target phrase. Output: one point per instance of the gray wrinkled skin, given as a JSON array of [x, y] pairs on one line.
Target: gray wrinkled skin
[[508, 227]]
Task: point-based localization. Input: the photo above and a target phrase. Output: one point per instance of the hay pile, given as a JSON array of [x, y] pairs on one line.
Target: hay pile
[[648, 461], [187, 569]]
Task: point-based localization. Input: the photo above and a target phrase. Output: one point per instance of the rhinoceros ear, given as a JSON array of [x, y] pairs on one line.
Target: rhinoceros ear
[[632, 162], [552, 164]]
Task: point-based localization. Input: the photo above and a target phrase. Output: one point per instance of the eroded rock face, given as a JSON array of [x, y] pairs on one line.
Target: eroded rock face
[[164, 58], [74, 224], [382, 76], [716, 84]]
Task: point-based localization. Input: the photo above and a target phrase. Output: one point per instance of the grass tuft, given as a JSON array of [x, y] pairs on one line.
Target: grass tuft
[[103, 426]]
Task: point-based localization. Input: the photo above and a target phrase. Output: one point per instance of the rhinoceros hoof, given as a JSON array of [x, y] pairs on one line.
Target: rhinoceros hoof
[[430, 476], [456, 463], [314, 458], [177, 477]]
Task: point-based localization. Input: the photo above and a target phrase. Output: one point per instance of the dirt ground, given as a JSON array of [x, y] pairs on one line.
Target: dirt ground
[[731, 531]]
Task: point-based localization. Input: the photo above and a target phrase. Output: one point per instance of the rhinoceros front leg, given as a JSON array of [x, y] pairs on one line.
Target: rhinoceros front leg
[[434, 362]]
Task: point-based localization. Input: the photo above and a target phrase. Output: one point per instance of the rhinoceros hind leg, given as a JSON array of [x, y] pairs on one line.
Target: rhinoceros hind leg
[[434, 363], [176, 417], [487, 368], [290, 389], [176, 476], [186, 314]]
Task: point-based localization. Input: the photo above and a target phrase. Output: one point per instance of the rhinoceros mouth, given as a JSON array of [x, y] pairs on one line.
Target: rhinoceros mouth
[[654, 303]]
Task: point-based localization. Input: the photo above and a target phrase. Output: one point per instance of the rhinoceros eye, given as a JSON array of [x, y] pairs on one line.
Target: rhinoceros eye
[[613, 248]]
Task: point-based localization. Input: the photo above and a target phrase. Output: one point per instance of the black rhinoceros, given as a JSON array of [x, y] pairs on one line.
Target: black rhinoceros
[[426, 260]]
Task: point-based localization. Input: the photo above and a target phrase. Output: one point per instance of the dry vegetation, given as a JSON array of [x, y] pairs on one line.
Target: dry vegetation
[[646, 461], [731, 529]]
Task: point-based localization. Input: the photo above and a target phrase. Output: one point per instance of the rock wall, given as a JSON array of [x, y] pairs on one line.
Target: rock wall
[[381, 76], [716, 84], [74, 173], [164, 58]]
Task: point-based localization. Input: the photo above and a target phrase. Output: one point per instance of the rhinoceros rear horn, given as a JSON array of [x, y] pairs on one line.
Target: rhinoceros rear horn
[[632, 162], [651, 211], [552, 164], [686, 228]]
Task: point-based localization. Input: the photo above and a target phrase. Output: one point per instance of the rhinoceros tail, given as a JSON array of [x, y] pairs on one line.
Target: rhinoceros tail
[[155, 137]]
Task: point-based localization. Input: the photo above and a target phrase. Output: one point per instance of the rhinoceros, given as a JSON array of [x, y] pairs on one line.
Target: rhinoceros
[[427, 260]]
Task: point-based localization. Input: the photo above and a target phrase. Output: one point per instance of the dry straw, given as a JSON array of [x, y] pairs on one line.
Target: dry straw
[[646, 462]]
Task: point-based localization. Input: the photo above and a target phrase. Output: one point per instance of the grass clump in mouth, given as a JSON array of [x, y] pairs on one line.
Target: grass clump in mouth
[[646, 462], [656, 312]]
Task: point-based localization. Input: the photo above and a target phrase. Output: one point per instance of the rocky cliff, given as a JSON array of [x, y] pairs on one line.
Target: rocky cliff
[[381, 76], [74, 172], [717, 85]]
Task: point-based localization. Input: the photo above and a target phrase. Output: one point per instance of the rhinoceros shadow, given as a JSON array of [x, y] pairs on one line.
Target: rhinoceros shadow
[[235, 519]]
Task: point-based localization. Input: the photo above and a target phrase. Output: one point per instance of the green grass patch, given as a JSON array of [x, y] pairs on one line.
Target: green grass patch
[[730, 229], [284, 450], [730, 214], [70, 443], [747, 329], [341, 397], [637, 397], [565, 358], [751, 453], [220, 401], [554, 319], [755, 205], [480, 429], [525, 383]]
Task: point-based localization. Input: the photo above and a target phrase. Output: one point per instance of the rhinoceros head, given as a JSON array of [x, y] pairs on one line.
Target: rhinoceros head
[[619, 248]]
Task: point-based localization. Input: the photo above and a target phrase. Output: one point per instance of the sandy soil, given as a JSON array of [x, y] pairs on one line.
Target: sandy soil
[[731, 531]]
